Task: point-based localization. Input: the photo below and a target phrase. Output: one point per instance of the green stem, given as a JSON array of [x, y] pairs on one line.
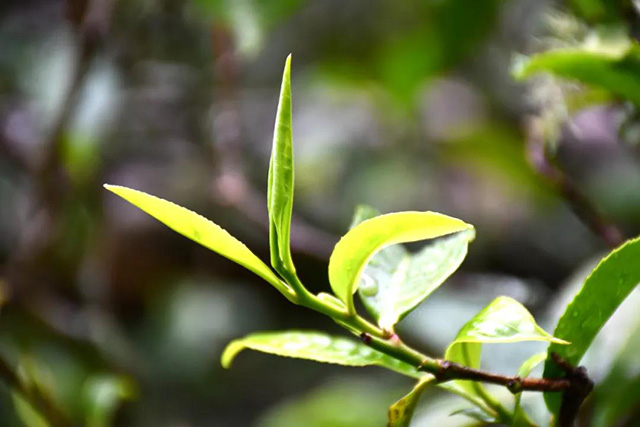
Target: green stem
[[504, 415], [390, 344]]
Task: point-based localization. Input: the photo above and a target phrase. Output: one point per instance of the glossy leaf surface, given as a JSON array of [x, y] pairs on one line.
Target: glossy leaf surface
[[199, 229], [603, 291], [317, 346], [401, 412], [395, 281], [504, 320], [356, 248], [280, 184]]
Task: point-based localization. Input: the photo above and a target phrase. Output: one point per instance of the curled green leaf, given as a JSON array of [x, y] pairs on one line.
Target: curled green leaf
[[280, 183], [395, 281], [355, 249]]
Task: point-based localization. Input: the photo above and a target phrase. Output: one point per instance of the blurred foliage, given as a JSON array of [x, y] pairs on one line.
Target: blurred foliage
[[402, 105]]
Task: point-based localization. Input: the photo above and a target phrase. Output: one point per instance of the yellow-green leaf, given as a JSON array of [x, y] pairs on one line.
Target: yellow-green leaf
[[395, 280], [354, 250], [200, 230], [401, 412], [504, 320], [317, 346], [280, 185]]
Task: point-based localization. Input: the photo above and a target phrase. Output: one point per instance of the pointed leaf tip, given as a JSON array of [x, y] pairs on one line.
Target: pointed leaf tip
[[200, 230], [281, 180], [395, 281], [504, 320]]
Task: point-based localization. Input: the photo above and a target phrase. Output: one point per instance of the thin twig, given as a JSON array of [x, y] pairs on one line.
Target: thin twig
[[575, 386], [454, 371], [544, 163]]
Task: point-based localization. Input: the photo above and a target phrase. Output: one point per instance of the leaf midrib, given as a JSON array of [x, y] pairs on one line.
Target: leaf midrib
[[388, 313]]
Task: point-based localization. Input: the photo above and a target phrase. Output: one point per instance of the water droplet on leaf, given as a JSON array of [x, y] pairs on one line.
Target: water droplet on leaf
[[369, 286]]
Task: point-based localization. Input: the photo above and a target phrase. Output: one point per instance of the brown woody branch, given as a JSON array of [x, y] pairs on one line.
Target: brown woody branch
[[543, 161], [454, 371], [575, 386]]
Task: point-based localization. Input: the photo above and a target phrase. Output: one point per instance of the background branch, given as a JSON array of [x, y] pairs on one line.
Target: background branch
[[543, 161]]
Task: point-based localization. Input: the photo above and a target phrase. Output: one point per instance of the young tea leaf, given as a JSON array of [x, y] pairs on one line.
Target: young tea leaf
[[617, 72], [401, 412], [504, 320], [354, 250], [602, 292], [395, 281], [317, 346], [280, 183], [200, 230]]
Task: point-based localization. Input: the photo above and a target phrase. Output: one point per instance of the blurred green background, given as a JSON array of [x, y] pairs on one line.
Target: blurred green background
[[403, 105]]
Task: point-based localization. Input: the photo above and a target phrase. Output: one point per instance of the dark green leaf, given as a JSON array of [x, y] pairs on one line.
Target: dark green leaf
[[601, 294]]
